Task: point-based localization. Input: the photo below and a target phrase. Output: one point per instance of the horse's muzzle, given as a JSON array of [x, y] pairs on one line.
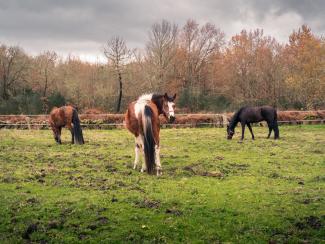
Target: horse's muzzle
[[172, 119]]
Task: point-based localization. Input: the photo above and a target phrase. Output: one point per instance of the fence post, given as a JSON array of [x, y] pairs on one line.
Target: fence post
[[28, 122], [224, 120]]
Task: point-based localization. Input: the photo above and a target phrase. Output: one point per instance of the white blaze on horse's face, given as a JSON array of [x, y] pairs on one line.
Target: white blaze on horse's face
[[171, 112], [169, 107]]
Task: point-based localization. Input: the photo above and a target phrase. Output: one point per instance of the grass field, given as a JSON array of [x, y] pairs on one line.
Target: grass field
[[212, 190]]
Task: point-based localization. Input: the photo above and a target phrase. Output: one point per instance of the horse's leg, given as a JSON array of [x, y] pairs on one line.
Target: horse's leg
[[250, 129], [242, 130], [55, 134], [137, 151], [156, 132], [275, 128], [144, 166], [270, 129], [158, 164], [59, 135], [72, 133]]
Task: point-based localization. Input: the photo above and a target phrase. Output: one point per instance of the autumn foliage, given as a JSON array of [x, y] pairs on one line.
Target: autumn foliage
[[208, 72]]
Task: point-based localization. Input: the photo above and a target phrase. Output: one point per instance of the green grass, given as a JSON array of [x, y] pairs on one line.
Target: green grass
[[212, 190]]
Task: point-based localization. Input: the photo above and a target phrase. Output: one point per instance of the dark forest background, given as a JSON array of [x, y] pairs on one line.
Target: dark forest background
[[208, 72]]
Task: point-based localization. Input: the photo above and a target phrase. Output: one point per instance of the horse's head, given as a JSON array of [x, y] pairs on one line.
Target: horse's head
[[169, 107], [230, 132]]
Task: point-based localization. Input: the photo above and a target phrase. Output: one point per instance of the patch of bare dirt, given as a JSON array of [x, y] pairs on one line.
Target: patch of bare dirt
[[147, 203], [309, 222]]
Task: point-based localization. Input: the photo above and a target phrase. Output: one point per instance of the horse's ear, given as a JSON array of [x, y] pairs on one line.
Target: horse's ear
[[174, 96]]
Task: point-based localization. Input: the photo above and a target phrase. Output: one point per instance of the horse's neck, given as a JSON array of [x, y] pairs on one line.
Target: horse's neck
[[234, 121], [158, 102]]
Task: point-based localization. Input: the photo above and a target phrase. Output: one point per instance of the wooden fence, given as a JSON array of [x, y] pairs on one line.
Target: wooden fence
[[111, 121]]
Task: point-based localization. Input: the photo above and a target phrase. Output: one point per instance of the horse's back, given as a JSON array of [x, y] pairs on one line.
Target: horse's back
[[249, 114], [256, 114], [268, 108], [269, 113], [61, 116], [133, 122]]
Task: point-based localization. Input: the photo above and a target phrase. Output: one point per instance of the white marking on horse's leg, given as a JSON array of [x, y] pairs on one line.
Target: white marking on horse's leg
[[141, 143], [144, 167], [158, 164], [137, 151], [136, 160]]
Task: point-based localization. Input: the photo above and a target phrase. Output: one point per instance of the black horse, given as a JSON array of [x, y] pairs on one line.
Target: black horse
[[248, 115]]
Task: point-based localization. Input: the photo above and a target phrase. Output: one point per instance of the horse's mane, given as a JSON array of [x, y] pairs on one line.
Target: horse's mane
[[235, 118]]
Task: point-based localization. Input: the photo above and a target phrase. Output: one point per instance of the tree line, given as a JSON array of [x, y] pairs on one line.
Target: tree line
[[208, 72]]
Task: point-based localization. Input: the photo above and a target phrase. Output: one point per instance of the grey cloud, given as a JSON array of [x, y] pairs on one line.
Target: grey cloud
[[83, 26]]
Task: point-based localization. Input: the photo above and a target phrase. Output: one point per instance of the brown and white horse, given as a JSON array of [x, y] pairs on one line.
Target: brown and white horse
[[66, 116], [142, 120]]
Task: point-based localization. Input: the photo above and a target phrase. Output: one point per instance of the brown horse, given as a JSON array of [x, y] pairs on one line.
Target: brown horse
[[66, 116], [142, 120]]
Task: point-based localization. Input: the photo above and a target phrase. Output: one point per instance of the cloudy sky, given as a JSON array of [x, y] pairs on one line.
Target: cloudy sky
[[81, 27]]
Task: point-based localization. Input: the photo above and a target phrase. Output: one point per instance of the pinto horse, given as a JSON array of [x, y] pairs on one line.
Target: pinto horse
[[142, 120], [248, 115], [66, 116]]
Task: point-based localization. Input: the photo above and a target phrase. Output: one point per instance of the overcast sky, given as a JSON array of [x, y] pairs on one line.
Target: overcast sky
[[81, 27]]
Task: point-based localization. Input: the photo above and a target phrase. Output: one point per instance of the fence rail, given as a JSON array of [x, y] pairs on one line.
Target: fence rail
[[121, 125], [110, 121]]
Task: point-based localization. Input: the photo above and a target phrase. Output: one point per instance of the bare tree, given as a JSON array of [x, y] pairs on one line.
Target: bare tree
[[13, 65], [117, 54], [254, 67], [46, 68], [199, 45], [161, 49], [44, 75]]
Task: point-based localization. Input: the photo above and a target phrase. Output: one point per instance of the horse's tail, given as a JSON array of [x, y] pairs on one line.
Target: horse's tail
[[77, 131], [149, 140], [275, 126]]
